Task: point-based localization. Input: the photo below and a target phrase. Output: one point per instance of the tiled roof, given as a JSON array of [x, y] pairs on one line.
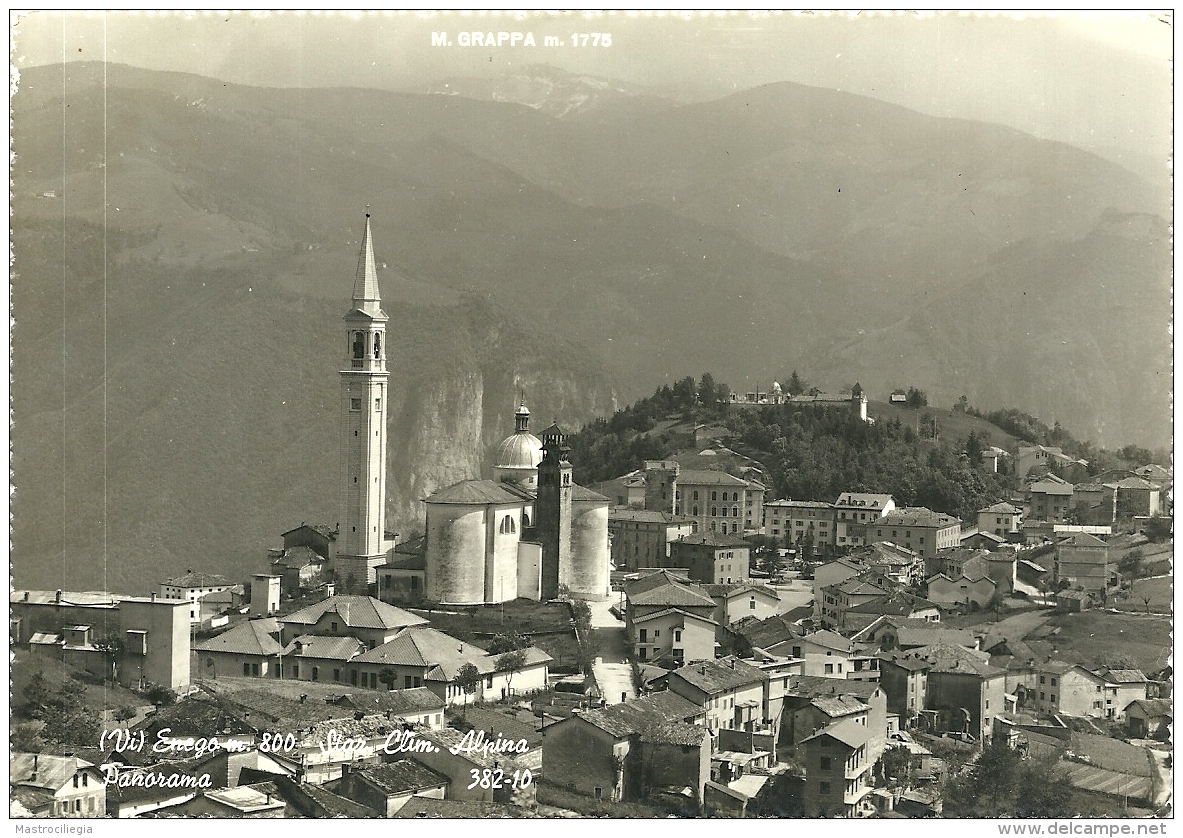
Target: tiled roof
[[405, 562], [863, 500], [649, 516], [51, 772], [334, 805], [675, 733], [356, 612], [1152, 706], [672, 594], [1046, 487], [812, 686], [494, 722], [829, 640], [945, 658], [301, 556], [1135, 483], [707, 477], [656, 579], [714, 539], [317, 646], [719, 675], [321, 529], [197, 580], [768, 632], [667, 611], [798, 504], [641, 714], [933, 634], [477, 492], [402, 776], [582, 493], [254, 637], [1001, 509], [424, 646], [449, 737], [1082, 539], [1125, 676], [263, 708], [413, 700], [917, 516], [848, 732], [739, 588], [429, 807], [839, 705]]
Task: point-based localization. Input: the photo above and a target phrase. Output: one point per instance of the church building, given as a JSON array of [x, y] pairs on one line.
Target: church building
[[529, 531]]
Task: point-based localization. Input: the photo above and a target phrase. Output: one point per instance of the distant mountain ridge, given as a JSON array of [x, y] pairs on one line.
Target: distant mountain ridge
[[584, 258]]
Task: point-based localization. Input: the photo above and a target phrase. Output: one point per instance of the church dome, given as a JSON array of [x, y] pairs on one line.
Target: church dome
[[521, 450]]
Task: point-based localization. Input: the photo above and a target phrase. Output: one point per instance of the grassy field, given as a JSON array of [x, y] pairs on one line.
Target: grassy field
[[94, 696], [1160, 590], [1096, 635], [953, 425]]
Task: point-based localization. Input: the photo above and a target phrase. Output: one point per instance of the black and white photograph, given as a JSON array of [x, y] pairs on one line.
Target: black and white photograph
[[582, 415]]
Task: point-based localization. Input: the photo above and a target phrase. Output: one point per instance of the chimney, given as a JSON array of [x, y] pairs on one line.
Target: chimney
[[57, 598], [154, 597], [26, 596], [303, 698]]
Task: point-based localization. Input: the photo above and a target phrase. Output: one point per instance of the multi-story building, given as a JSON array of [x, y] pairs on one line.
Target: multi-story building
[[1095, 503], [919, 529], [853, 511], [1000, 518], [838, 771], [51, 786], [1137, 497], [731, 693], [641, 537], [1048, 500], [720, 502], [711, 558], [789, 521], [1082, 560], [669, 618], [1062, 687], [194, 587]]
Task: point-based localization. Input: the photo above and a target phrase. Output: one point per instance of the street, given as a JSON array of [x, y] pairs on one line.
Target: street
[[612, 671]]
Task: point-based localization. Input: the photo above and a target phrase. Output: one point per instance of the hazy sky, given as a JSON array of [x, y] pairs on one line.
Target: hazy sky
[[1094, 80]]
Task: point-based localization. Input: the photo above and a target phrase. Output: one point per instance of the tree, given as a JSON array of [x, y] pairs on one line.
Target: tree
[[1158, 529], [509, 663], [974, 446], [37, 696], [467, 678], [996, 776], [1130, 565], [388, 675], [125, 713], [962, 405], [509, 642], [917, 398], [796, 386]]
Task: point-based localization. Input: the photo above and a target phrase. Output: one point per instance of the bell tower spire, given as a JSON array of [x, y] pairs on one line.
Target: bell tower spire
[[364, 381]]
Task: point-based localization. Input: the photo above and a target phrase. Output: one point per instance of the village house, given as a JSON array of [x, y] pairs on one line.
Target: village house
[[386, 788], [299, 569], [421, 656], [919, 529], [193, 587], [250, 649], [838, 771], [1069, 688], [1000, 519], [898, 604], [711, 558], [1129, 685], [1137, 497], [49, 786], [642, 537], [670, 619], [1043, 457], [402, 578], [836, 600], [826, 653], [370, 620], [835, 572], [1049, 500], [964, 692], [625, 751], [1150, 718], [736, 601], [905, 682], [732, 693], [788, 521], [417, 706], [628, 490], [1082, 560], [719, 502], [898, 564], [854, 511], [451, 758], [1095, 503], [892, 633], [965, 590]]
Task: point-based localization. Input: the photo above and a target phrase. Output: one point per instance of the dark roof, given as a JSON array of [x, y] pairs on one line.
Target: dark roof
[[254, 637], [700, 477], [197, 580], [412, 547], [736, 588], [317, 646], [672, 593], [627, 513], [713, 539], [1152, 706], [839, 705], [413, 700], [330, 804], [641, 714], [493, 722], [1002, 508], [51, 772], [847, 731], [477, 492], [320, 529], [264, 706], [302, 556], [675, 733], [812, 686], [430, 648], [917, 516], [718, 675], [430, 807], [405, 562], [667, 611], [768, 632], [946, 658], [402, 776], [1125, 676], [356, 612]]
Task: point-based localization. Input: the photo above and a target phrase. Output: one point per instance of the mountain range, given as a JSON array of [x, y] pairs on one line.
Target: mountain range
[[578, 239]]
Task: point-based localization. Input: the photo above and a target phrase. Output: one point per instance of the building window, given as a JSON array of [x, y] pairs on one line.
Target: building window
[[829, 669], [355, 404], [246, 669], [507, 525], [827, 763], [823, 788], [377, 405], [714, 495], [644, 635], [677, 636], [752, 604], [1053, 682], [696, 496]]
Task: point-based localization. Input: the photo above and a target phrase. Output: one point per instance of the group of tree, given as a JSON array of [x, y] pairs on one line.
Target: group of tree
[[68, 721], [1001, 782]]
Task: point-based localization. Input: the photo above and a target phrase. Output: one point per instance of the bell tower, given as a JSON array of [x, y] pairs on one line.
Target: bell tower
[[553, 507], [364, 381]]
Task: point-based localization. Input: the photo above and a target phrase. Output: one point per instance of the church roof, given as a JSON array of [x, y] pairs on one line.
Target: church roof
[[365, 282], [356, 612], [519, 450], [583, 493], [478, 492]]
